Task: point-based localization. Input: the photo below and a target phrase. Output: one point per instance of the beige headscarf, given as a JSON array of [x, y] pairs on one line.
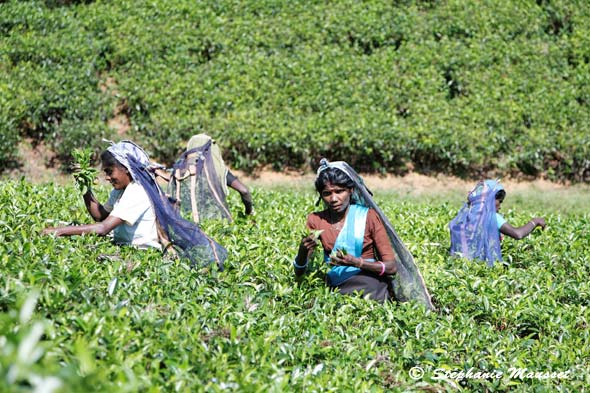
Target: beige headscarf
[[220, 168]]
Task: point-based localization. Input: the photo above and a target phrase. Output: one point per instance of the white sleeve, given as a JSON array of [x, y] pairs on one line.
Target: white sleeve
[[133, 204], [113, 197]]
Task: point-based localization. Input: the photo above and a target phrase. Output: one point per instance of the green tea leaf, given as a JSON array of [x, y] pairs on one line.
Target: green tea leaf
[[316, 233], [84, 173]]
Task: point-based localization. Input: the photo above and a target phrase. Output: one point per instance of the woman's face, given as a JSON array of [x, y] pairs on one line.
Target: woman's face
[[336, 197], [118, 176], [498, 204]]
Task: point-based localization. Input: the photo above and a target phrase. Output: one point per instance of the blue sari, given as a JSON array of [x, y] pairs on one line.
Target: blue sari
[[351, 239]]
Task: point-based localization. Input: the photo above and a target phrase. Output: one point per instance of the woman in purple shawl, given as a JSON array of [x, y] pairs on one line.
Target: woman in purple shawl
[[138, 213], [477, 229]]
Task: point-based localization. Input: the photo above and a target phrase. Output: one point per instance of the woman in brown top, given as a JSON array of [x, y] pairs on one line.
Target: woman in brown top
[[353, 237]]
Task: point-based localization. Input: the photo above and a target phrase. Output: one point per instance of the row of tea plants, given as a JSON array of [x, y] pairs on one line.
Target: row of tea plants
[[80, 314], [455, 86]]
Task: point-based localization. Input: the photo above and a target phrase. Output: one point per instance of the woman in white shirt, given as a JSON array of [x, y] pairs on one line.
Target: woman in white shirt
[[140, 214], [128, 213]]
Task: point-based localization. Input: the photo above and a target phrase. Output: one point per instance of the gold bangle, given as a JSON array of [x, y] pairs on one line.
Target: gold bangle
[[360, 266]]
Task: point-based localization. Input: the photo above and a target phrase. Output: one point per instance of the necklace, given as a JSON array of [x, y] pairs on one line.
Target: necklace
[[336, 226]]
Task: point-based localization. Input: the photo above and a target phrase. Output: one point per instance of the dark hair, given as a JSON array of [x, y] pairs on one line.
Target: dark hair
[[108, 160], [333, 176], [500, 195]]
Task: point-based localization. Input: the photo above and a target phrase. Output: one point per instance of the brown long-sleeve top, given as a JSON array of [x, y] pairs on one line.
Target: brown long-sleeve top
[[376, 243]]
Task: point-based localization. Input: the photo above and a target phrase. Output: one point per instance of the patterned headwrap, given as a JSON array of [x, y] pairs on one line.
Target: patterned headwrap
[[124, 149], [408, 283], [487, 185], [174, 231], [357, 194]]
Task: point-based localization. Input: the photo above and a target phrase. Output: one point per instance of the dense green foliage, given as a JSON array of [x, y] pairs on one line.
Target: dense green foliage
[[84, 174], [455, 86], [118, 319]]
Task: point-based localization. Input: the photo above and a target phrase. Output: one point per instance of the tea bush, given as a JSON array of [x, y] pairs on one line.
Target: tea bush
[[460, 87], [118, 319]]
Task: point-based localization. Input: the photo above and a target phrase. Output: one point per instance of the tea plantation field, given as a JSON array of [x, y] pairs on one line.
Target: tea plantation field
[[79, 314], [460, 87]]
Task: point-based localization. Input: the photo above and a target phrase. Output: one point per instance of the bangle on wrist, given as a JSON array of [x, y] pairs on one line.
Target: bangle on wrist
[[360, 265], [299, 266], [382, 268]]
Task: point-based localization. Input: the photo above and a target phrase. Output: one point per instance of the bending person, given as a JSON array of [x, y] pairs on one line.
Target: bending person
[[227, 178], [139, 213], [476, 231], [128, 212], [358, 241]]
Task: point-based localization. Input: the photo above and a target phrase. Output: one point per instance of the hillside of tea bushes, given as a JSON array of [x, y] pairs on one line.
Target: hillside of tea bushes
[[453, 86], [79, 314]]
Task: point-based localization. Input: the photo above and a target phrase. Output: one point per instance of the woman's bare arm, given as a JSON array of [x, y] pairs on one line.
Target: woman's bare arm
[[523, 231], [306, 247], [96, 210], [101, 228], [378, 267]]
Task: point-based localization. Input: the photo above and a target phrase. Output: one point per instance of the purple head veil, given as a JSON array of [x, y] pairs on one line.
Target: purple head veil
[[474, 230]]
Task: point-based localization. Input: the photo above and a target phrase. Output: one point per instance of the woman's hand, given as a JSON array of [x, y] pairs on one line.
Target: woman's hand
[[306, 247], [539, 222], [339, 259], [50, 231], [308, 244]]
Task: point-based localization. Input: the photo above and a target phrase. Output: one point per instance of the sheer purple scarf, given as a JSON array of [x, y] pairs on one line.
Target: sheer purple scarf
[[474, 230], [185, 236]]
